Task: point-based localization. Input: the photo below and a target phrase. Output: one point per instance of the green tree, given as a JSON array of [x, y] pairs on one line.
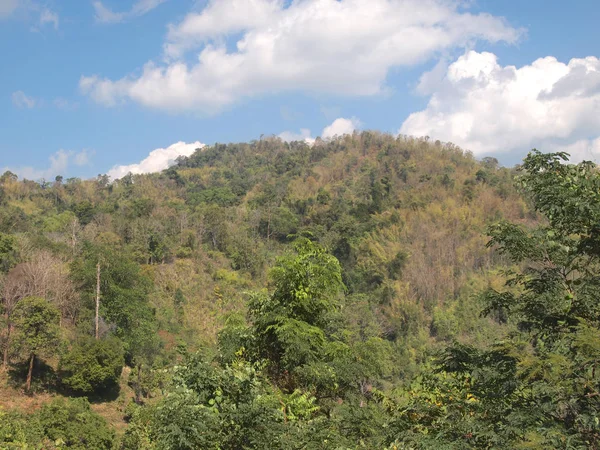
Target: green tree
[[37, 325], [539, 387], [92, 366], [213, 408], [8, 176], [72, 424], [84, 211], [19, 431], [8, 252], [123, 305], [124, 295], [229, 408], [289, 325]]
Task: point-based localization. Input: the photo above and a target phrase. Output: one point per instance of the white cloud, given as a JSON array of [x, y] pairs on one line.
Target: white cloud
[[7, 7], [584, 149], [48, 16], [219, 19], [339, 127], [139, 8], [488, 108], [30, 9], [59, 163], [304, 135], [158, 160], [22, 100], [83, 158], [342, 47]]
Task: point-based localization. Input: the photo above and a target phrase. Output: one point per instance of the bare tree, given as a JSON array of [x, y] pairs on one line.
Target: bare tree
[[46, 276]]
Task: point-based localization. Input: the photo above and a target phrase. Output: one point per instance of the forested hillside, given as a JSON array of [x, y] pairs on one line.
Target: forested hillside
[[367, 292]]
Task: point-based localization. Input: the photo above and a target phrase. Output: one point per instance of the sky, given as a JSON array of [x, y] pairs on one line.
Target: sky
[[92, 87]]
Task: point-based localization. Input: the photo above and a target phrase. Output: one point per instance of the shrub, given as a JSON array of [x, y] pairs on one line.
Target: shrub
[[92, 366]]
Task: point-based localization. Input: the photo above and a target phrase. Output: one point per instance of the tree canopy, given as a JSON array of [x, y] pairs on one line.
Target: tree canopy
[[368, 291]]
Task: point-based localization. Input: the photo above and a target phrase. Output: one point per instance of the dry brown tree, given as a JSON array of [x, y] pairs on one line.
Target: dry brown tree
[[46, 276]]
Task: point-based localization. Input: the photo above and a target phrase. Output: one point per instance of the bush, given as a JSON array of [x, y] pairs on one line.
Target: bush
[[75, 425], [92, 366], [18, 431], [59, 424]]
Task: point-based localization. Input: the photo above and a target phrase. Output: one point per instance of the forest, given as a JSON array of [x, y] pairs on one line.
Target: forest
[[368, 291]]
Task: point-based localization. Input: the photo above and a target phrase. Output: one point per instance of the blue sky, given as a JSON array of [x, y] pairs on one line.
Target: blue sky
[[87, 86]]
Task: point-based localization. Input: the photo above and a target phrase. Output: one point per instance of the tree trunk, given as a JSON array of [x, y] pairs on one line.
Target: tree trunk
[[97, 299], [31, 360]]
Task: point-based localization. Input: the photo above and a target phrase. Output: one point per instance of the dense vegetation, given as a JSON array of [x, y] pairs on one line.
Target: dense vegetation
[[364, 292]]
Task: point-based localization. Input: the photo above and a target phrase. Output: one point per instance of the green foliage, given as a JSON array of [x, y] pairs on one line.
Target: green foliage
[[124, 298], [538, 387], [289, 324], [233, 338], [142, 207], [17, 431], [59, 222], [84, 211], [279, 223], [92, 366], [214, 408], [58, 424], [8, 252], [218, 195], [72, 424], [36, 323], [324, 355]]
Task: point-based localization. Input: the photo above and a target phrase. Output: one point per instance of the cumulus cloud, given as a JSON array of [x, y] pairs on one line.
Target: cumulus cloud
[[22, 100], [158, 160], [339, 127], [59, 164], [304, 135], [139, 8], [342, 47], [219, 19], [584, 149], [489, 108]]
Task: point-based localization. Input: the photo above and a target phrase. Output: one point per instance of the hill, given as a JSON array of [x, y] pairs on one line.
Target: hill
[[218, 277]]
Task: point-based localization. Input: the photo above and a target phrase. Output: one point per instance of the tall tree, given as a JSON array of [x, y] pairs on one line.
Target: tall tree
[[123, 287], [289, 324], [37, 325], [124, 304]]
